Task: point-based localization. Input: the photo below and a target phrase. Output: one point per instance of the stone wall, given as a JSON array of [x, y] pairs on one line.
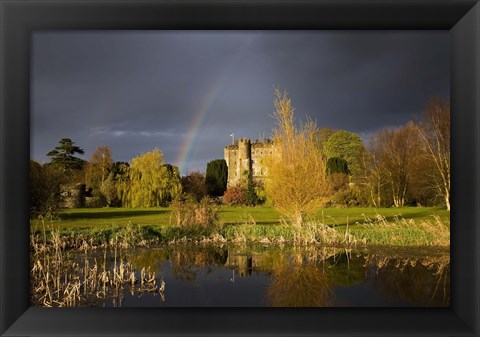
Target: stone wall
[[73, 195], [245, 157]]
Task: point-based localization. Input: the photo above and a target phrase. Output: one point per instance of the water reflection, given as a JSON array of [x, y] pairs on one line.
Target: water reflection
[[421, 281], [272, 276], [296, 284]]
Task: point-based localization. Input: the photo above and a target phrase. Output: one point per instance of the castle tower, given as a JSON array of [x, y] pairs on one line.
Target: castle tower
[[244, 158]]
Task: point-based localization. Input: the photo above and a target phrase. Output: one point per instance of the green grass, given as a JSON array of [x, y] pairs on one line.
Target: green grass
[[160, 216], [257, 223], [340, 216]]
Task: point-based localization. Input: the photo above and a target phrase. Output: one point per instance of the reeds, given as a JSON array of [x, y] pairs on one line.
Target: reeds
[[57, 281]]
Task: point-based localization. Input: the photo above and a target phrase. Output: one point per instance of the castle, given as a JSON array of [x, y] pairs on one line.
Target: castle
[[244, 158]]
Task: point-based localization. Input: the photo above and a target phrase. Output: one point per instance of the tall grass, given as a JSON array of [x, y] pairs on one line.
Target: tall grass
[[194, 217], [57, 281], [403, 232]]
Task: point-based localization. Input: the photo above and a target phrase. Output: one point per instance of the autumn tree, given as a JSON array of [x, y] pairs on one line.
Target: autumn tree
[[63, 156], [194, 184], [297, 182], [435, 133]]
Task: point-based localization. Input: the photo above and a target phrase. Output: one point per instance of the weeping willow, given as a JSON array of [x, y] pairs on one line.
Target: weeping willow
[[149, 182]]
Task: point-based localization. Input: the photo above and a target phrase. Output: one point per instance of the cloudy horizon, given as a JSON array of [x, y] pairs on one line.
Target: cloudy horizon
[[186, 92]]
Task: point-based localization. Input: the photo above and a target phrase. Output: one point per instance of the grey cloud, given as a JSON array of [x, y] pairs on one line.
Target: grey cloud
[[134, 91]]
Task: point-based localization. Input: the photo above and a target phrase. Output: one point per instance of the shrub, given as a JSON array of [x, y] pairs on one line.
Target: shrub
[[349, 196], [262, 195], [198, 216], [96, 200], [338, 181], [251, 198], [234, 196], [45, 197]]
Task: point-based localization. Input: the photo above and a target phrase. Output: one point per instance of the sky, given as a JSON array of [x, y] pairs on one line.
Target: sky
[[186, 92]]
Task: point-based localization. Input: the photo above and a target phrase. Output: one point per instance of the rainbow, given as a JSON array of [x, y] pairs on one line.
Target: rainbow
[[205, 106], [197, 122]]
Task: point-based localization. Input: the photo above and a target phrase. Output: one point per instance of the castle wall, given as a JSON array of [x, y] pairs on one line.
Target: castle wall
[[245, 157], [260, 151]]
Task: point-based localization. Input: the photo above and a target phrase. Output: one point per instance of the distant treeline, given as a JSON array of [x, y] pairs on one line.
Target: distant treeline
[[407, 165]]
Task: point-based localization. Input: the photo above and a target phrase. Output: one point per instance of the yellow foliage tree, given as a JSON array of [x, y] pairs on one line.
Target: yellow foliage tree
[[151, 182], [297, 182]]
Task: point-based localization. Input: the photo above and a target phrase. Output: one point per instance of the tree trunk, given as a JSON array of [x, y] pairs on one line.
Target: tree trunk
[[298, 219]]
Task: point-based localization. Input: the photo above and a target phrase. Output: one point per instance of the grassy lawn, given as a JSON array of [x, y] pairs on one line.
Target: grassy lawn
[[340, 216], [107, 217]]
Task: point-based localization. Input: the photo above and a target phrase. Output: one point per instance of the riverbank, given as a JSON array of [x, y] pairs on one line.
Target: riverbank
[[410, 226]]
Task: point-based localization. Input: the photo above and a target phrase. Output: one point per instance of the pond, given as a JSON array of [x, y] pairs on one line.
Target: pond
[[244, 276]]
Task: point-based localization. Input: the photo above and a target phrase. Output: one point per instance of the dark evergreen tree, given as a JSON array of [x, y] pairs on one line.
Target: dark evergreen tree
[[216, 177], [63, 155], [251, 197], [118, 168], [337, 165]]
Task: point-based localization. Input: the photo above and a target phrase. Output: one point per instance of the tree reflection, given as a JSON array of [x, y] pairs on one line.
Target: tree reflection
[[343, 269], [421, 281], [299, 285], [309, 276]]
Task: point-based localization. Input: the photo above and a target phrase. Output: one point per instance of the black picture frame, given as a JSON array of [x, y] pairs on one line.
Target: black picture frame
[[18, 18]]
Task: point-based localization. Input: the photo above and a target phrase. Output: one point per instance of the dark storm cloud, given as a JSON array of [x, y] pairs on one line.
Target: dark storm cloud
[[135, 91]]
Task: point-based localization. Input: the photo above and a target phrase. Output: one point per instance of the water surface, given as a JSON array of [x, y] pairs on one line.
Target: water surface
[[257, 276]]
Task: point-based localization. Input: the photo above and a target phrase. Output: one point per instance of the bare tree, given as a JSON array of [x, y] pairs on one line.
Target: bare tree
[[435, 133], [397, 150], [373, 178], [101, 163]]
